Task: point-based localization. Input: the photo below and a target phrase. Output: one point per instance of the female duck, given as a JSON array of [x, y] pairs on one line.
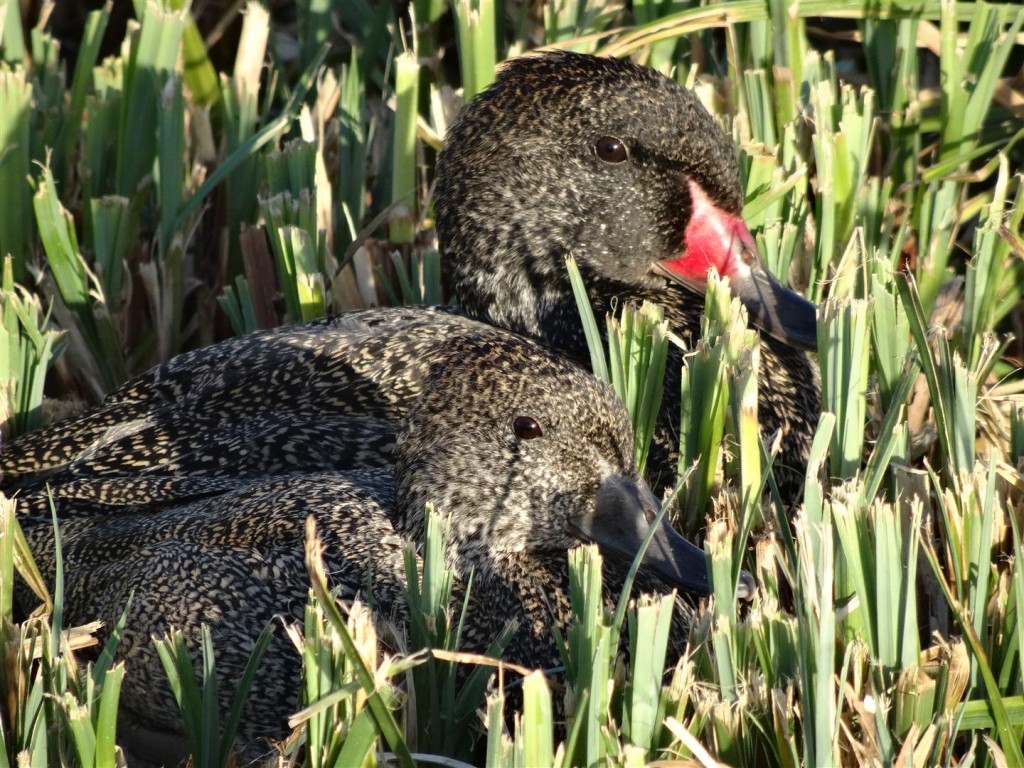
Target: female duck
[[526, 453]]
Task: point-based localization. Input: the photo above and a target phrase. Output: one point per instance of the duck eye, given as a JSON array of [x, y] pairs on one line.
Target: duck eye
[[610, 150], [526, 428]]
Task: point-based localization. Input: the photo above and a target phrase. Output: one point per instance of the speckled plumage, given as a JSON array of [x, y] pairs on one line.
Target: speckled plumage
[[235, 560], [520, 187], [191, 482], [326, 395]]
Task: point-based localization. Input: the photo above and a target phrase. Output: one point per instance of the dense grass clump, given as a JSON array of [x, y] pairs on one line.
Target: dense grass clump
[[176, 177]]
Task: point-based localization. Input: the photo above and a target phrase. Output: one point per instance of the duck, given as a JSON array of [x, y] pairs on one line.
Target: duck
[[526, 454], [565, 154], [598, 158]]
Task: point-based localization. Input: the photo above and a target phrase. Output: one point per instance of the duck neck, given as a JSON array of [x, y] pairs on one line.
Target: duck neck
[[538, 300]]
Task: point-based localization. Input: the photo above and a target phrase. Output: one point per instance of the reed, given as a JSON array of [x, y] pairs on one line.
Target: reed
[[153, 202]]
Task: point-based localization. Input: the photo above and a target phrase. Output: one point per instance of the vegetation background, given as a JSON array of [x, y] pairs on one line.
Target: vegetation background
[[173, 174]]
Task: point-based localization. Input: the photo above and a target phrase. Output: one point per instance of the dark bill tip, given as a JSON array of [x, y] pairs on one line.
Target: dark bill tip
[[778, 311], [772, 307], [619, 524]]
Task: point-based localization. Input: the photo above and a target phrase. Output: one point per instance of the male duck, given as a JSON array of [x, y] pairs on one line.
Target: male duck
[[617, 165]]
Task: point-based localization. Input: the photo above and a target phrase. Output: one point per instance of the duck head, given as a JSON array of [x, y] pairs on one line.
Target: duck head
[[537, 455], [614, 164]]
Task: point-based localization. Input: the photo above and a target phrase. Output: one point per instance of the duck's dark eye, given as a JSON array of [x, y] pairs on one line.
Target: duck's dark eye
[[526, 428], [610, 149]]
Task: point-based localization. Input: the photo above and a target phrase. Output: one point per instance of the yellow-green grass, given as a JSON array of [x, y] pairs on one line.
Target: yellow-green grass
[[887, 626]]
